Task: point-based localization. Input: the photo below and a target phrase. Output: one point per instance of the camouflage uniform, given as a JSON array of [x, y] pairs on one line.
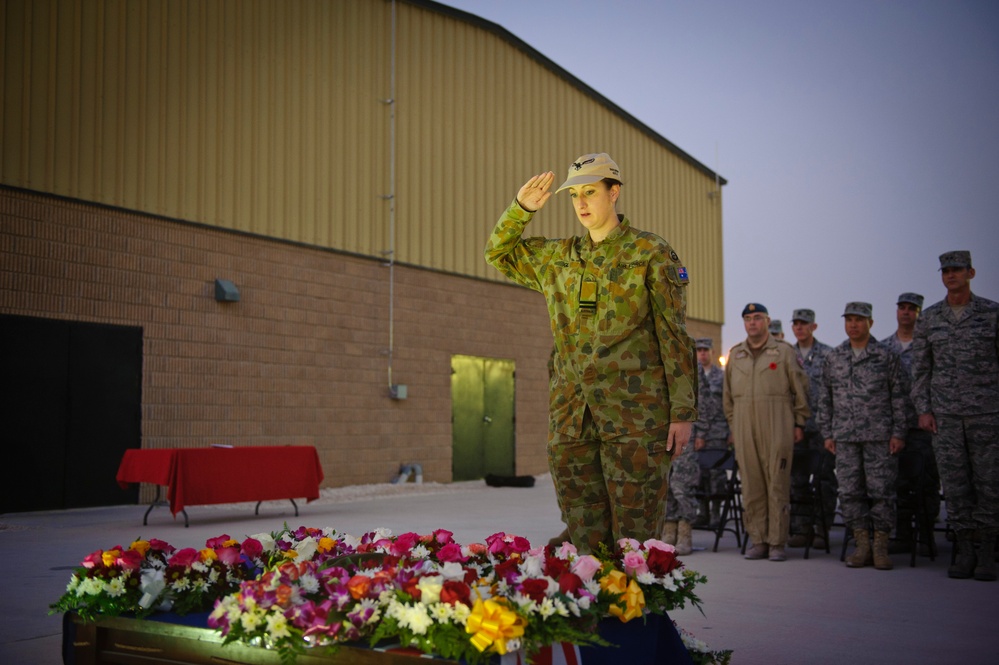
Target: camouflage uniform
[[765, 398], [711, 424], [955, 366], [919, 443], [684, 475], [862, 404], [625, 369], [826, 471]]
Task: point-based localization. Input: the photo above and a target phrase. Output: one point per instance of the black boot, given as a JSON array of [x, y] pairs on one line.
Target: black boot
[[964, 561], [985, 571]]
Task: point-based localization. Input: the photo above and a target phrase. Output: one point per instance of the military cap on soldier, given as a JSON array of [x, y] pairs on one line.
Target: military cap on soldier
[[863, 309], [957, 259], [912, 299], [776, 327], [806, 315], [754, 308], [703, 343]]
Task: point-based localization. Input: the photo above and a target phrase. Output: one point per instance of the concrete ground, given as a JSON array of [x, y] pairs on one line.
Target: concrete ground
[[815, 611]]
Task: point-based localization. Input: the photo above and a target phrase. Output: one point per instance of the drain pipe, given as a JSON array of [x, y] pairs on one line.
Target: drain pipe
[[407, 469], [395, 391]]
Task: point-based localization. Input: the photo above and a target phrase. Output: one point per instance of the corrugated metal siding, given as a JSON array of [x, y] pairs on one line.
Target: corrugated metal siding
[[269, 117]]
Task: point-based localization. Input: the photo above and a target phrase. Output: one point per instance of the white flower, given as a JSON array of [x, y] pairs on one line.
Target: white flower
[[307, 548], [546, 608], [646, 578], [309, 583], [592, 585], [74, 582], [441, 612], [199, 566], [461, 613], [115, 587], [414, 617], [266, 540], [419, 552], [251, 619], [532, 566], [453, 571], [181, 584], [277, 625], [430, 587], [90, 586]]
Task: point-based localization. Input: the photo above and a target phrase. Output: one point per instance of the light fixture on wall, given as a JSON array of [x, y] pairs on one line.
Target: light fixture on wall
[[226, 291]]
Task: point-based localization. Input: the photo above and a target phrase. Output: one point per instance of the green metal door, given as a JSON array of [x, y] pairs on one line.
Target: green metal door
[[482, 417]]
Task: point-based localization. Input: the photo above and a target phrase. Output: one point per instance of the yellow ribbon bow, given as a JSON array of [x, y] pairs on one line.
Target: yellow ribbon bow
[[493, 624], [627, 591]]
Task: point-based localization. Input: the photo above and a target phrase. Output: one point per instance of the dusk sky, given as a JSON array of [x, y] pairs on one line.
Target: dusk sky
[[860, 140]]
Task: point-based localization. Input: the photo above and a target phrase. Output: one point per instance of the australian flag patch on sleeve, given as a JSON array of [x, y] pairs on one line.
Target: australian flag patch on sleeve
[[682, 273]]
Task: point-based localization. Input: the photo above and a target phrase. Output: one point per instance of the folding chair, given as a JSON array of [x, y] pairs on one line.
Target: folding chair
[[730, 496], [808, 503]]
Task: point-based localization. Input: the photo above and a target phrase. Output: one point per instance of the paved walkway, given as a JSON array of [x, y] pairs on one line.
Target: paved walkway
[[815, 611]]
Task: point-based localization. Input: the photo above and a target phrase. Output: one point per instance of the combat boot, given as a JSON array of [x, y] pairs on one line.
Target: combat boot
[[684, 539], [669, 533], [964, 559], [881, 559], [862, 556], [985, 571]]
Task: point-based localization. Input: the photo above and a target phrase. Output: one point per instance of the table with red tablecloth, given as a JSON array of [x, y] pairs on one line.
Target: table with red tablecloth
[[225, 475]]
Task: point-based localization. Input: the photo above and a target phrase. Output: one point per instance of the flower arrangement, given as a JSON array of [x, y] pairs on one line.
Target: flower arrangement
[[309, 588], [152, 575]]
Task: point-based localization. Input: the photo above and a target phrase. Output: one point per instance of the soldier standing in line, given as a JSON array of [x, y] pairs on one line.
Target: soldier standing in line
[[918, 442], [776, 329], [711, 429], [623, 398], [681, 499], [812, 353], [766, 404], [955, 367], [863, 414]]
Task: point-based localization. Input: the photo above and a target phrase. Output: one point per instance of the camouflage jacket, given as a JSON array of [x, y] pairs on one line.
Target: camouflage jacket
[[864, 397], [955, 363], [812, 364], [905, 357], [711, 424], [618, 317]]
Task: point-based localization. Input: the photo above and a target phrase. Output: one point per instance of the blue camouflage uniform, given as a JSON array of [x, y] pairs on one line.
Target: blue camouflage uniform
[[823, 463], [864, 402]]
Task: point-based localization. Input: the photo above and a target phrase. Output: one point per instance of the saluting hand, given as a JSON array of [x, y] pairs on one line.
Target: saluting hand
[[535, 192]]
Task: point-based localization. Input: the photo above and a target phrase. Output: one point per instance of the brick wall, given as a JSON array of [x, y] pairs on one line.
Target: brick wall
[[302, 358]]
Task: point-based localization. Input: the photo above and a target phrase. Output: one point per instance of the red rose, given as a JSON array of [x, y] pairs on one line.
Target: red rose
[[534, 589], [555, 566], [252, 548], [773, 365], [569, 583], [660, 562], [455, 592]]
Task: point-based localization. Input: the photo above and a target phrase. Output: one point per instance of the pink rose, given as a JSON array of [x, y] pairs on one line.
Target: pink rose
[[130, 560], [217, 542], [252, 548], [634, 564], [228, 555], [185, 557], [451, 553], [586, 567]]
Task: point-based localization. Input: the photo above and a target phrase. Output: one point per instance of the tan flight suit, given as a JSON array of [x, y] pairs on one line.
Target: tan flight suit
[[765, 397]]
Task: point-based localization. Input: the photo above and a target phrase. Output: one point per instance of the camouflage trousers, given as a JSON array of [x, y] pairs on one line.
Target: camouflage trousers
[[867, 473], [608, 490], [824, 471], [684, 477], [967, 452]]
